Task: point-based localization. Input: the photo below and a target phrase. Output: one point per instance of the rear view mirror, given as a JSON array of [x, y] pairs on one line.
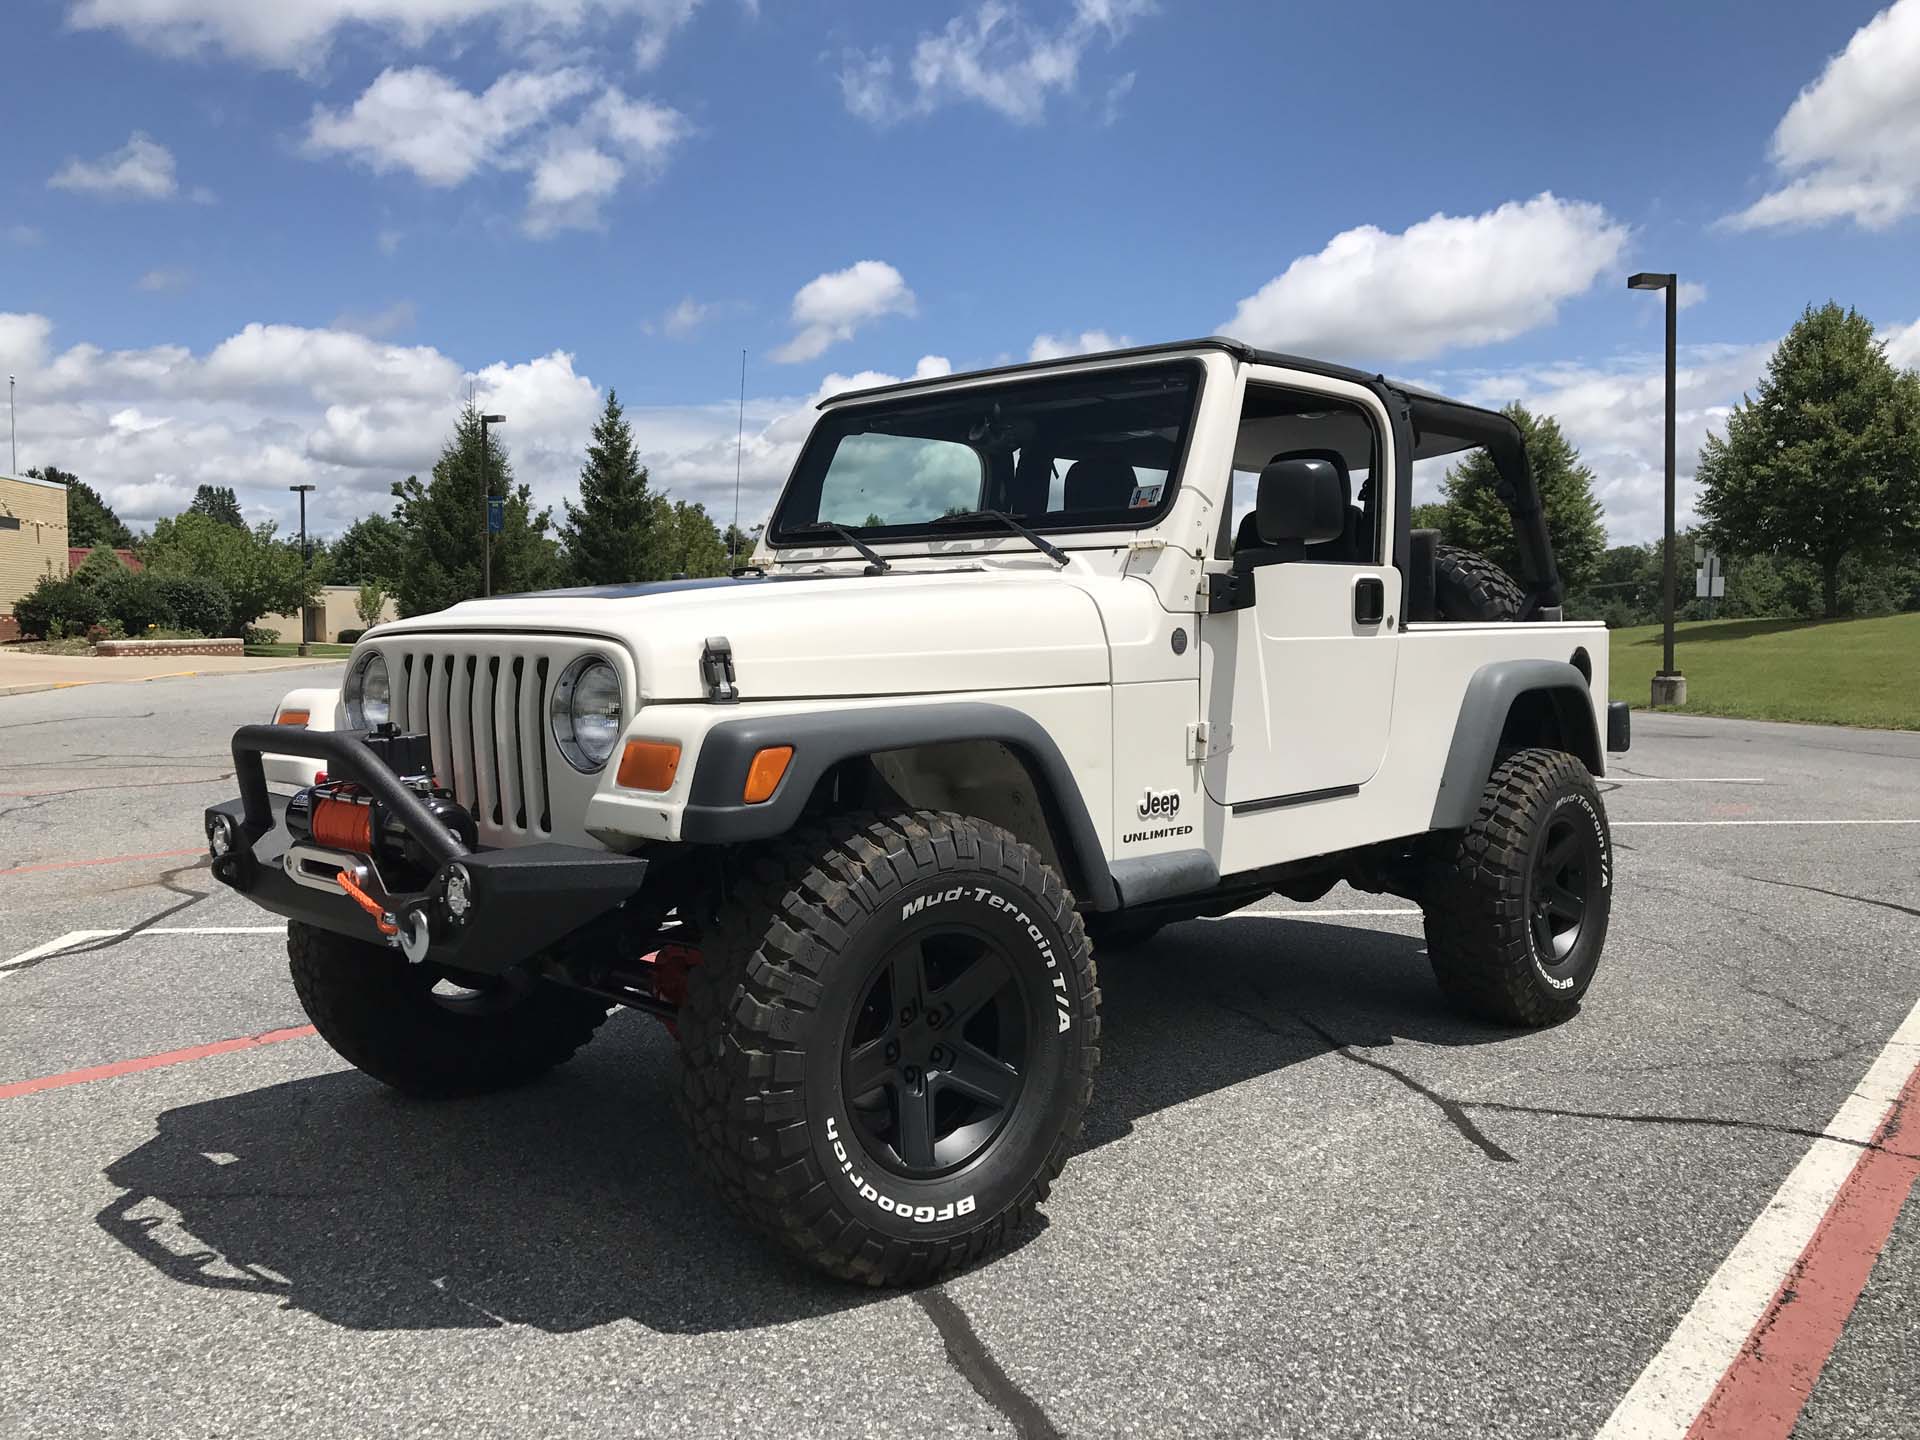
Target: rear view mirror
[[1303, 497]]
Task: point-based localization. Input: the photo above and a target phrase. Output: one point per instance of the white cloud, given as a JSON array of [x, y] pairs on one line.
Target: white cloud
[[1691, 294], [142, 169], [419, 121], [1903, 345], [685, 317], [1849, 146], [1448, 282], [298, 34], [992, 55], [830, 307], [1087, 342], [165, 279], [377, 324]]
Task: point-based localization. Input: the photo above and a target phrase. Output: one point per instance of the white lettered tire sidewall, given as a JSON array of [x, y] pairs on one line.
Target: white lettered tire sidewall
[[1577, 800], [1040, 951]]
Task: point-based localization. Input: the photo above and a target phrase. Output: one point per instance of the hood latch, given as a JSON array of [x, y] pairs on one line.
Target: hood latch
[[716, 669]]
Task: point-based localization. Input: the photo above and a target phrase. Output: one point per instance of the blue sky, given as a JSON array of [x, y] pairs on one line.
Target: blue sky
[[258, 244]]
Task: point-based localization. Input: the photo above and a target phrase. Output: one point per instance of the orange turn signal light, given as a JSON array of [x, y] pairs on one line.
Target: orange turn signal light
[[765, 774], [649, 764], [293, 717]]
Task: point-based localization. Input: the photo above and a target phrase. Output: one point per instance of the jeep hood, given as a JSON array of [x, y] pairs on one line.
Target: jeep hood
[[821, 635]]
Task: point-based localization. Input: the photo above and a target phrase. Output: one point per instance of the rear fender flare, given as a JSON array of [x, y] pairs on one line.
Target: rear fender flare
[[1490, 698]]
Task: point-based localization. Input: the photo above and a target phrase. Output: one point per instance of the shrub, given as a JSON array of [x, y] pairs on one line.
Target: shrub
[[197, 603], [260, 635], [136, 600], [349, 636], [107, 629], [55, 608], [100, 570]]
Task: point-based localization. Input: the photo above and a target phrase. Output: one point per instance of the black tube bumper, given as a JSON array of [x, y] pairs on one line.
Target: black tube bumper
[[518, 901]]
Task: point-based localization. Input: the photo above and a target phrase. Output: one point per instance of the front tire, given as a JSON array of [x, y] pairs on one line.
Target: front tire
[[400, 1024], [1517, 916], [889, 1044]]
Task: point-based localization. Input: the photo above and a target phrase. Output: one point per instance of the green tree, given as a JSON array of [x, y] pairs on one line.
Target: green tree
[[612, 535], [1823, 461], [90, 520], [370, 603], [740, 543], [373, 548], [1477, 519], [441, 520], [1430, 516], [261, 575], [690, 542], [218, 502]]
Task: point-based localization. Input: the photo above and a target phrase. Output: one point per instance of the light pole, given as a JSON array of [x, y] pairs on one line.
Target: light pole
[[13, 440], [486, 502], [301, 491], [1669, 686]]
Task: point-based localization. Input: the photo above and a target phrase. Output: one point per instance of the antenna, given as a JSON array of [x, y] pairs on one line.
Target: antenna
[[739, 439]]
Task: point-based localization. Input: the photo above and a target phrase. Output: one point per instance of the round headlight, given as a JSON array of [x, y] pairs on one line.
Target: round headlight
[[586, 712], [369, 692]]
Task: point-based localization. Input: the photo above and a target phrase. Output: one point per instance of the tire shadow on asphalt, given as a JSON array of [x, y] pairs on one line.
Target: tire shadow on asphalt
[[573, 1202]]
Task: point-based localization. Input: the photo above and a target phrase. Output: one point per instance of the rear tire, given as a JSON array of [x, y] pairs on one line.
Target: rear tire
[[889, 1043], [384, 1017], [1470, 587], [1517, 917]]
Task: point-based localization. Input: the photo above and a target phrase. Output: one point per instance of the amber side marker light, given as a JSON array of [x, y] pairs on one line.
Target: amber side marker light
[[765, 774], [293, 717], [649, 764]]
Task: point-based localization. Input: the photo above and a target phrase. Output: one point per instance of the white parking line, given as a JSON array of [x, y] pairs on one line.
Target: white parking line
[[1678, 1382], [1684, 780], [81, 937], [1620, 824]]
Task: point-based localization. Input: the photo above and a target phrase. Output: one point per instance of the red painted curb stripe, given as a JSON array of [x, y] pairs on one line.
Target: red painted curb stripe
[[151, 1062], [104, 860], [1768, 1385]]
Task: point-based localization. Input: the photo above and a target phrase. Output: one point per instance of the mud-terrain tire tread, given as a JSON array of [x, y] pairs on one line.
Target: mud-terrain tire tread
[[1475, 911], [379, 1018], [740, 1091], [1469, 587]]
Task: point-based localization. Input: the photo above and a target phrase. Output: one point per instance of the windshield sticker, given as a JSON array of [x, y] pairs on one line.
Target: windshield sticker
[[1144, 497]]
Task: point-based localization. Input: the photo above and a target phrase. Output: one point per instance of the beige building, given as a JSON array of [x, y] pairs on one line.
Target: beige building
[[335, 612], [33, 540]]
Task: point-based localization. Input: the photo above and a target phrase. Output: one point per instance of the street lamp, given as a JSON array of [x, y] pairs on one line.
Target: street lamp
[[1669, 686], [486, 502], [305, 560]]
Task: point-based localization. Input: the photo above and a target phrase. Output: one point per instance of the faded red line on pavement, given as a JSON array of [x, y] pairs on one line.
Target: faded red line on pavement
[[104, 860], [151, 1062], [1768, 1385]]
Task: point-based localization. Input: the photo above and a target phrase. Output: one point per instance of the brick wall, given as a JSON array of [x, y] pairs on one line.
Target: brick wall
[[33, 540], [167, 647]]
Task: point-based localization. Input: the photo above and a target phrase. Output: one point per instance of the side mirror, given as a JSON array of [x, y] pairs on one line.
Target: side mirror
[[1302, 497]]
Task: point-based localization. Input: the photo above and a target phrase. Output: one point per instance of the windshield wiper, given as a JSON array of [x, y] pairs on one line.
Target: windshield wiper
[[1013, 526], [876, 562]]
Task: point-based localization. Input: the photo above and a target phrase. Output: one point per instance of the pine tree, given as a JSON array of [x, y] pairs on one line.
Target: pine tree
[[1477, 518], [218, 502], [613, 534], [90, 520], [1823, 462], [444, 522]]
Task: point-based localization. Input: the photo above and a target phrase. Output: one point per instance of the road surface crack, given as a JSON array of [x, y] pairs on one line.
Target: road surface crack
[[970, 1356], [1836, 894]]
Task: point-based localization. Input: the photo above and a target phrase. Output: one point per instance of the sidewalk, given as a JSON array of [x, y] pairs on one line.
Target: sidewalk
[[21, 674]]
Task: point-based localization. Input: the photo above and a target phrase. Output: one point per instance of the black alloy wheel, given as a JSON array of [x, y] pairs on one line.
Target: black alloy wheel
[[1562, 881], [935, 1055]]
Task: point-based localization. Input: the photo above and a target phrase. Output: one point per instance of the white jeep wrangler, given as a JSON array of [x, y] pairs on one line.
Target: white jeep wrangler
[[1009, 669]]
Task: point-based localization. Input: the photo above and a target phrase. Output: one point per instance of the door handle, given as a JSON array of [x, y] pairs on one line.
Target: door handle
[[1369, 600]]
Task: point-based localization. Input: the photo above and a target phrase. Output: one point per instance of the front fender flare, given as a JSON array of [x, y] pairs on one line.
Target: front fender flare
[[715, 814]]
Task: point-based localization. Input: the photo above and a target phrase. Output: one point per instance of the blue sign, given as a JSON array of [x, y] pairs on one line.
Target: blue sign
[[496, 515]]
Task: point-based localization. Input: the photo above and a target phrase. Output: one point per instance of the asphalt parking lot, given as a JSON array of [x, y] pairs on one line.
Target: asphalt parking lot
[[1309, 1201]]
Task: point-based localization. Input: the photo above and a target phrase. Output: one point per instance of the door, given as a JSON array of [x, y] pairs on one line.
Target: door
[[1304, 675]]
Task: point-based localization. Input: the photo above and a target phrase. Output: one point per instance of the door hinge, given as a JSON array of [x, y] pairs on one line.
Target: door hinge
[[1203, 741]]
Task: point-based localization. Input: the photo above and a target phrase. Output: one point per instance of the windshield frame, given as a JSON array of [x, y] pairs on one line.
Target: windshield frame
[[828, 431]]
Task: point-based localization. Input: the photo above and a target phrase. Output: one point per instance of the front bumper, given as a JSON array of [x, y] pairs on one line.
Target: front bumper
[[518, 902]]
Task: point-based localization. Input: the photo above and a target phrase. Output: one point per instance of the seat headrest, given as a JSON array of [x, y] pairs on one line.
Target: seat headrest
[[1099, 483]]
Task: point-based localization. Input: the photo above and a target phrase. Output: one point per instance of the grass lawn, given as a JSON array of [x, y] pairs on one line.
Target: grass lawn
[[1828, 672], [326, 652]]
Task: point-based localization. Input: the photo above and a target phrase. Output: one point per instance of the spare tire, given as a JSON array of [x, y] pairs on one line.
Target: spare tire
[[1467, 586]]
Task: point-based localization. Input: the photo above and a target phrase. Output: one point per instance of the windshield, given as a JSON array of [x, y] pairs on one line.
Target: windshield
[[1081, 453]]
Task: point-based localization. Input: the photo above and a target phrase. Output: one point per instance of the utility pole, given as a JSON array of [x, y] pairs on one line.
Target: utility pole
[[306, 560], [1669, 686], [486, 502]]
